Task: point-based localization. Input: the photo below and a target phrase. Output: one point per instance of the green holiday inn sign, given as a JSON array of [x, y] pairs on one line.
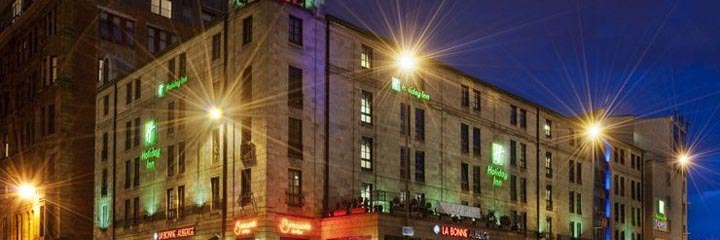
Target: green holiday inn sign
[[149, 140], [397, 86], [165, 87], [496, 169]]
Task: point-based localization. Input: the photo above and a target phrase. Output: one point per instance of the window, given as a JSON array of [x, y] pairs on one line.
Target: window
[[162, 8], [617, 184], [464, 141], [106, 105], [103, 70], [295, 197], [295, 30], [181, 157], [548, 224], [548, 128], [404, 162], [523, 118], [295, 87], [513, 115], [128, 93], [53, 63], [182, 65], [247, 30], [104, 151], [523, 156], [104, 183], [622, 156], [215, 145], [476, 179], [523, 190], [171, 160], [548, 164], [476, 100], [578, 202], [126, 217], [138, 90], [116, 29], [464, 178], [572, 137], [548, 198], [171, 117], [513, 153], [245, 187], [171, 69], [419, 124], [181, 114], [170, 204], [578, 173], [136, 137], [158, 40], [571, 170], [366, 153], [216, 46], [365, 192], [571, 202], [128, 173], [136, 179], [404, 119], [128, 134], [181, 200], [465, 101], [295, 143], [366, 107], [513, 188], [215, 193], [476, 141], [366, 56], [419, 166]]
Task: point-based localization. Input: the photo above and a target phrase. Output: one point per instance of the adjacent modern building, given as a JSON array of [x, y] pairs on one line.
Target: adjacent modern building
[[280, 122], [54, 56]]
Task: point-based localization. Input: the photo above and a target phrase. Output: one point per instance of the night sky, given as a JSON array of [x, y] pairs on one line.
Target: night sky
[[646, 58]]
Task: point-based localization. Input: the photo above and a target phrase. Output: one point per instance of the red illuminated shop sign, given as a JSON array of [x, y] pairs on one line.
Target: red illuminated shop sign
[[244, 227], [175, 233], [460, 232], [295, 227]]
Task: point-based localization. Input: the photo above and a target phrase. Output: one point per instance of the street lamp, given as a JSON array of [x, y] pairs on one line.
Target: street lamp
[[406, 61], [594, 131], [27, 192], [684, 159], [215, 113]]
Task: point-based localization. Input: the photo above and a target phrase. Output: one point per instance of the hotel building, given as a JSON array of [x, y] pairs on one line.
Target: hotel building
[[314, 133], [55, 53]]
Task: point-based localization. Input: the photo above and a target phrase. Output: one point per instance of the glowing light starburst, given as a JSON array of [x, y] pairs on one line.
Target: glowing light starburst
[[406, 61], [27, 191]]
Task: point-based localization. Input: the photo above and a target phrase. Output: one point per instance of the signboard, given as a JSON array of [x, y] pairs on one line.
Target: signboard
[[408, 231], [660, 221], [458, 210], [460, 232], [244, 227], [496, 170], [175, 233], [295, 227], [163, 88], [150, 139], [397, 86]]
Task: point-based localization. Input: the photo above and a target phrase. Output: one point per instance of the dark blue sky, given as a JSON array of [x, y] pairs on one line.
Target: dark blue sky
[[646, 58]]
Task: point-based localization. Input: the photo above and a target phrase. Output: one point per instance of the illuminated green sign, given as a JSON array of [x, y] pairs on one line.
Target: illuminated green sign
[[166, 87], [496, 170], [306, 3], [397, 86], [150, 133]]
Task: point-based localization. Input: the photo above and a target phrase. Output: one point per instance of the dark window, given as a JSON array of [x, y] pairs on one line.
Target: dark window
[[171, 118], [128, 173], [106, 105], [104, 151], [513, 153], [571, 202], [171, 70], [578, 173], [138, 88], [294, 196], [513, 115], [419, 166], [295, 143], [128, 134], [247, 30], [182, 65], [477, 100], [104, 184], [465, 101], [215, 193], [404, 162], [523, 156], [171, 160], [476, 179], [246, 137], [295, 30], [295, 87], [464, 138], [136, 180], [116, 29], [513, 188], [126, 217], [181, 200], [523, 190], [476, 141], [523, 118], [216, 46], [419, 124], [181, 114], [181, 157], [464, 178], [136, 137], [571, 170], [578, 202], [245, 186], [128, 93], [404, 119], [158, 40]]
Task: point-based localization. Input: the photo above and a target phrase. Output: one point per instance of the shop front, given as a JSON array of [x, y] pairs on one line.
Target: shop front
[[281, 227]]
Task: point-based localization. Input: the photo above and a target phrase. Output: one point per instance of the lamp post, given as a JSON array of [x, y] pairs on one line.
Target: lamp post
[[216, 114], [406, 63], [594, 134]]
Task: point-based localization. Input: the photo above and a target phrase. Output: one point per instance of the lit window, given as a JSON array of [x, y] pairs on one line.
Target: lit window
[[162, 8], [366, 107], [548, 164], [365, 191], [366, 153], [548, 128], [366, 57], [661, 207]]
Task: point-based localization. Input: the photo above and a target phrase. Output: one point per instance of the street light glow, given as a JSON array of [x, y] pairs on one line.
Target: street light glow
[[594, 131], [406, 61], [683, 159], [215, 113], [27, 191]]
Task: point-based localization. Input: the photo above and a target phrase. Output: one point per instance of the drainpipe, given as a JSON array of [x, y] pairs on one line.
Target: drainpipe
[[537, 168], [326, 187]]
